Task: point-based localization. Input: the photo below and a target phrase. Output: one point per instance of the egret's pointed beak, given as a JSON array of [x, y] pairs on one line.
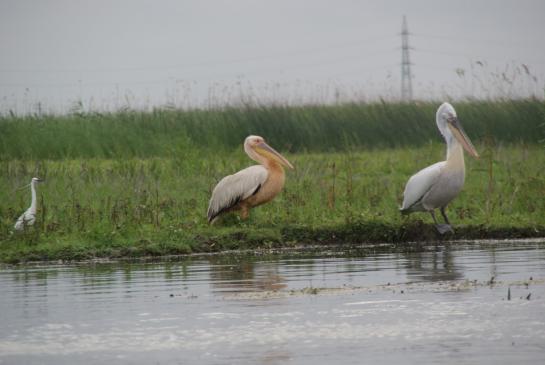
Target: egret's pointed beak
[[461, 136], [270, 152], [23, 187]]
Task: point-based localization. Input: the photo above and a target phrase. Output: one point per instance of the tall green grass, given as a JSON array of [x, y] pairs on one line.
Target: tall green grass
[[158, 205], [311, 128]]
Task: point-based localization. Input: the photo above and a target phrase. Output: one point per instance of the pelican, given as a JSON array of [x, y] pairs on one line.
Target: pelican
[[436, 185], [252, 186], [29, 216]]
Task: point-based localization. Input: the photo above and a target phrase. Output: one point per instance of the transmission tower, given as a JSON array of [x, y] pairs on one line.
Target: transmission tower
[[406, 76]]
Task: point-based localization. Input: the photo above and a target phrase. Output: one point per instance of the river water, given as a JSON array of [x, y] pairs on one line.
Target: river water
[[457, 303]]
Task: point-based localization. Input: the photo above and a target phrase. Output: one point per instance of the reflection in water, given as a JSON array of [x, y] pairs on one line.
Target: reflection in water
[[436, 265], [275, 357], [35, 277], [220, 309], [238, 274]]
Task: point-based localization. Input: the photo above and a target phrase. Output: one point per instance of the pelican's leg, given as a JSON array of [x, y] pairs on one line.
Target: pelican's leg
[[244, 212], [441, 228], [444, 215], [433, 216]]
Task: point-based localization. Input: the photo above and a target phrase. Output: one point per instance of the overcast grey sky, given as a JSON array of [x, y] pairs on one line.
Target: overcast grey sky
[[136, 53]]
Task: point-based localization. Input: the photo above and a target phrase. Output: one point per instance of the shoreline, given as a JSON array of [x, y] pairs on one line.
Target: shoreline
[[362, 236]]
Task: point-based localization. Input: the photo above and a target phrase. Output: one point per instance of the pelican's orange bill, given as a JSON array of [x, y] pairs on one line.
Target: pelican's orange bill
[[268, 149]]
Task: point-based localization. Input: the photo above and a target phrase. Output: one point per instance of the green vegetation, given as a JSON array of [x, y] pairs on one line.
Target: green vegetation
[[135, 184], [165, 133], [115, 208]]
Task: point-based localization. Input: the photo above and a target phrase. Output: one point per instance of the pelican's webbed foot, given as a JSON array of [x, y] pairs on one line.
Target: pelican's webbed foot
[[444, 228]]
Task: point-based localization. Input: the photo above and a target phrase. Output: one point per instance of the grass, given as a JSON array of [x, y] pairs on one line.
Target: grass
[[298, 129], [128, 207]]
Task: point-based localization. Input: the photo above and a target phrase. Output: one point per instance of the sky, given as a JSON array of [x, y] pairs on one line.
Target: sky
[[60, 56]]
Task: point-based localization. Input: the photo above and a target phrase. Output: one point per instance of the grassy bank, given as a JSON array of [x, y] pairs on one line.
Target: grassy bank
[[165, 133], [156, 206]]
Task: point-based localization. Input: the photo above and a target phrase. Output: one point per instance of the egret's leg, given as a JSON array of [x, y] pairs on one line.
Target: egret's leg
[[441, 228]]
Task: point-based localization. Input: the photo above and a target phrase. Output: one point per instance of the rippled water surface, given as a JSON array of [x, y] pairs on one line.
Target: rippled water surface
[[481, 303]]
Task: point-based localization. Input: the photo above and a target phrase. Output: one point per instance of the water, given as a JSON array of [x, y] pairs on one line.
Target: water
[[442, 304]]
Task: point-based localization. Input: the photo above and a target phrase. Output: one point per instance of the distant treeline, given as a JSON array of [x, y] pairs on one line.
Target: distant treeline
[[289, 128]]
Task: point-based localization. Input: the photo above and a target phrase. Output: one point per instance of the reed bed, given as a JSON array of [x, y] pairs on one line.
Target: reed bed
[[309, 128]]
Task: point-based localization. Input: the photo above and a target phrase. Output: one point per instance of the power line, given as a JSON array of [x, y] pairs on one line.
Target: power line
[[207, 76], [352, 44], [488, 42], [529, 60]]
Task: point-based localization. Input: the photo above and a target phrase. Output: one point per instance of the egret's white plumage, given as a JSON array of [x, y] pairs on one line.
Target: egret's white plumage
[[28, 218], [436, 185], [252, 186]]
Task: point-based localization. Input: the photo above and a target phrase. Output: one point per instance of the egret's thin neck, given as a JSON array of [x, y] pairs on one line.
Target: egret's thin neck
[[33, 202]]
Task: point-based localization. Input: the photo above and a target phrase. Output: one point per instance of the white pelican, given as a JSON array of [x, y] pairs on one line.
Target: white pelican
[[29, 216], [436, 185], [252, 186]]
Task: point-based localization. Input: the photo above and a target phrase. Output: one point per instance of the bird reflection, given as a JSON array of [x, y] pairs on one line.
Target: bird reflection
[[434, 265], [243, 274]]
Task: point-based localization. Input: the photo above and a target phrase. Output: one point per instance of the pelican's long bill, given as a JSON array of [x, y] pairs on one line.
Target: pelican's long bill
[[461, 136], [264, 149]]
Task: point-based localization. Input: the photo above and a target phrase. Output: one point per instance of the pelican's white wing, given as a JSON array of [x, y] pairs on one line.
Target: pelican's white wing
[[419, 185], [26, 219], [235, 188]]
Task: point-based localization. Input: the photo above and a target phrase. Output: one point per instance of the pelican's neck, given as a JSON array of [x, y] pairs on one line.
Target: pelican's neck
[[272, 165], [269, 163], [33, 191], [455, 153]]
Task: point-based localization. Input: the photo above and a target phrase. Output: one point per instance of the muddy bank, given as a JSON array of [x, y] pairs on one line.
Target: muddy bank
[[362, 233], [32, 247]]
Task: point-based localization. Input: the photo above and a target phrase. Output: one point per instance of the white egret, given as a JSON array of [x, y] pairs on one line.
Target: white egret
[[436, 185], [252, 186], [29, 216]]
